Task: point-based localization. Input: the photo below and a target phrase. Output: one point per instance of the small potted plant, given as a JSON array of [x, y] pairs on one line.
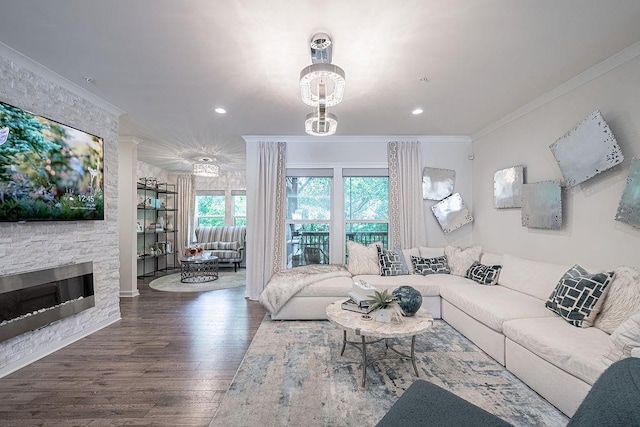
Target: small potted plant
[[385, 307]]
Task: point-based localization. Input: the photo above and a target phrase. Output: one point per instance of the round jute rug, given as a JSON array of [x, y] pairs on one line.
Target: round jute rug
[[226, 280]]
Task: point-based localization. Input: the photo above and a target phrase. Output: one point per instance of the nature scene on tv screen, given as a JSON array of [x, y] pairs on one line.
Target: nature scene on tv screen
[[48, 171]]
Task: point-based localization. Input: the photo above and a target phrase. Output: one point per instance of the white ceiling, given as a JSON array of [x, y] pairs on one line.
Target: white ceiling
[[168, 63]]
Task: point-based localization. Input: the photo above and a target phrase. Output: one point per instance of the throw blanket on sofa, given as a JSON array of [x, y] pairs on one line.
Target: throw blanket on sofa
[[284, 285]]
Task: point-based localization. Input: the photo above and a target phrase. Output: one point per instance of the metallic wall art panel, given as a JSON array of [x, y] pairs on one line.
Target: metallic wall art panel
[[542, 205], [586, 150], [452, 213], [629, 208], [437, 183], [507, 187]]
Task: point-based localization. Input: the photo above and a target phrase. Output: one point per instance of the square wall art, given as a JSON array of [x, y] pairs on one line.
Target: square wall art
[[586, 150], [437, 183], [452, 213], [507, 187], [629, 208], [542, 205]]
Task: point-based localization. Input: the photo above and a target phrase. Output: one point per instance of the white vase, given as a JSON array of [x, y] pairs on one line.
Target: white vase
[[383, 315]]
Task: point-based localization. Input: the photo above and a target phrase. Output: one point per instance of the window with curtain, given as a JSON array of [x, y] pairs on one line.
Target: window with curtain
[[366, 206], [308, 223]]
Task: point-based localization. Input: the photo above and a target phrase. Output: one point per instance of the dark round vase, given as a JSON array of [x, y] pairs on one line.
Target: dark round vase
[[409, 299]]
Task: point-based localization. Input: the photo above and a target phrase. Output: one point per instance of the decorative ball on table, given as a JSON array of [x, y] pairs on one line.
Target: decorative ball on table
[[409, 299]]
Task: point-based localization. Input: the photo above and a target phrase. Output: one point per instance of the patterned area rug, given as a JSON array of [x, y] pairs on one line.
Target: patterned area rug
[[226, 280], [293, 375]]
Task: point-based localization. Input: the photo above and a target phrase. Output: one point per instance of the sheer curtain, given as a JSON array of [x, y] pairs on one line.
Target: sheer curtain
[[265, 224], [408, 229], [186, 212]]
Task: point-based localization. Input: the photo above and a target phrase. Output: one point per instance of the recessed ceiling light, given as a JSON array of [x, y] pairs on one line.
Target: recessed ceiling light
[[417, 111], [220, 110]]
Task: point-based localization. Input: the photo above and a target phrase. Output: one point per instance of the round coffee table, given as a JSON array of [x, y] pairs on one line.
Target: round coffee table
[[353, 322], [198, 269]]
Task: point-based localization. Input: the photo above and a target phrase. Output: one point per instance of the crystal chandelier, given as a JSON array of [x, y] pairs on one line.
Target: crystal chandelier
[[321, 86], [206, 168]]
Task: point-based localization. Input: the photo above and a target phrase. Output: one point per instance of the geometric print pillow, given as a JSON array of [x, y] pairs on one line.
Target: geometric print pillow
[[579, 295], [392, 262], [424, 266], [483, 274]]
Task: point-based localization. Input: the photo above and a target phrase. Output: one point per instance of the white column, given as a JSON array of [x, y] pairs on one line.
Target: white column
[[127, 200]]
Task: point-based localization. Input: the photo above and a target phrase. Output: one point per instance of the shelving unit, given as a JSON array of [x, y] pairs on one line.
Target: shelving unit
[[156, 229]]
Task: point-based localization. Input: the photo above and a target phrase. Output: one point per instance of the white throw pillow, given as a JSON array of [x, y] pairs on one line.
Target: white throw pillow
[[624, 339], [622, 301], [363, 259], [408, 253], [461, 259]]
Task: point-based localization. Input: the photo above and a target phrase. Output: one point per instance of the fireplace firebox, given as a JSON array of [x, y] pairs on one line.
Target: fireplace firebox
[[32, 300]]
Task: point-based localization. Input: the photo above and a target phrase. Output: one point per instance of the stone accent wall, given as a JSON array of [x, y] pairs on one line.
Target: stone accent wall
[[39, 245]]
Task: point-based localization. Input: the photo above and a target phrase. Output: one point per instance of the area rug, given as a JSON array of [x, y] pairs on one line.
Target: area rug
[[226, 280], [293, 375]]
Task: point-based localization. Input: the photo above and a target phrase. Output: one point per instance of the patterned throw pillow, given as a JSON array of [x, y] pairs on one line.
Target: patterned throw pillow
[[392, 262], [578, 296], [424, 266], [484, 274]]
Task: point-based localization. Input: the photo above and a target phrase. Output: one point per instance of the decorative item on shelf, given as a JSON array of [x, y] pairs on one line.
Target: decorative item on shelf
[[409, 299], [139, 228], [169, 247], [169, 226], [151, 226], [160, 223], [162, 248], [385, 307]]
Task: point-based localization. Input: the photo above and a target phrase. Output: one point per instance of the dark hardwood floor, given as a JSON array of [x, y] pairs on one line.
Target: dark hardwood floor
[[169, 361]]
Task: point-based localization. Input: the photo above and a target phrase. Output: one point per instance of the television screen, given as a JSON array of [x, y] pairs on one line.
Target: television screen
[[48, 171]]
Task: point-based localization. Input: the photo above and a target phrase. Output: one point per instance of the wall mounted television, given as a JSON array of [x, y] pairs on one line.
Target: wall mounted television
[[48, 171]]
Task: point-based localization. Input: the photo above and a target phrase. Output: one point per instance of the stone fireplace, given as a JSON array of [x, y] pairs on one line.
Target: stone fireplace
[[29, 301]]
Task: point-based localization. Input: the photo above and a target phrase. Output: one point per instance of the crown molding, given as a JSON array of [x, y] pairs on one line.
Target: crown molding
[[445, 139], [583, 78], [34, 66]]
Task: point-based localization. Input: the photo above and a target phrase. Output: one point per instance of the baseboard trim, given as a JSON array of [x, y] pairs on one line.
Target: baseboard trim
[[53, 347], [129, 294]]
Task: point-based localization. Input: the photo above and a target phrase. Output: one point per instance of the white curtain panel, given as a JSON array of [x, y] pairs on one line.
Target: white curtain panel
[[186, 212], [406, 206], [265, 225]]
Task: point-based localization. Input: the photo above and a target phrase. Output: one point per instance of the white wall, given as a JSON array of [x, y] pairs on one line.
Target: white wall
[[590, 235], [40, 245]]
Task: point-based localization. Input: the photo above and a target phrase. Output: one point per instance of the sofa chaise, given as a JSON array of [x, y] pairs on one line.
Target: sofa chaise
[[508, 320]]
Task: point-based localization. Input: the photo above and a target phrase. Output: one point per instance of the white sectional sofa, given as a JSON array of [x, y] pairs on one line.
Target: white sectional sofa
[[508, 321]]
